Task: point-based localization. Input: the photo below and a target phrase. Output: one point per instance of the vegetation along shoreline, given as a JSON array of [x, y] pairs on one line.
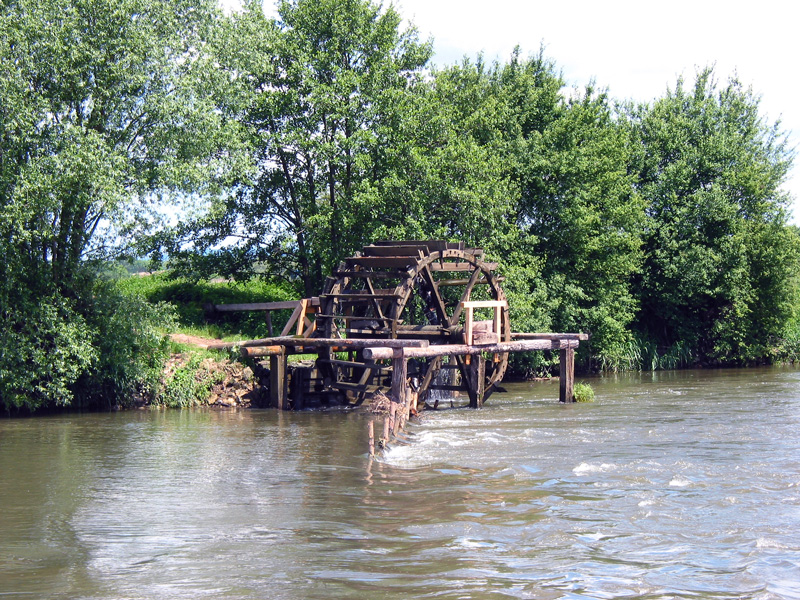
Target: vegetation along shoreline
[[240, 157]]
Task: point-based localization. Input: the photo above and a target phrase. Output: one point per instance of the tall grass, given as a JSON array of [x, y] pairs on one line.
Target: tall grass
[[640, 354]]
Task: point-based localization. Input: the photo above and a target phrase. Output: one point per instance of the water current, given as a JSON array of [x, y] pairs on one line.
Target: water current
[[670, 485]]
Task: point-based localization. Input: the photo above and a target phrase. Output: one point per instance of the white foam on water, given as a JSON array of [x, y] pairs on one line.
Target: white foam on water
[[679, 482], [464, 542], [586, 468], [764, 543]]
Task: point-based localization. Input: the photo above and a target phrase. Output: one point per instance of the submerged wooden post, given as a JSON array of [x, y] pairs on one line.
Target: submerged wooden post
[[566, 382], [371, 431], [477, 372], [277, 380]]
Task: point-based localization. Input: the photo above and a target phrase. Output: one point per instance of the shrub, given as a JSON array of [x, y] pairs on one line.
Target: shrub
[[45, 347], [583, 392]]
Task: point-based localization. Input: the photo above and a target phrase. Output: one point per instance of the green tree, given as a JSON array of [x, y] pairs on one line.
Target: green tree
[[719, 257], [317, 89], [579, 202], [100, 110]]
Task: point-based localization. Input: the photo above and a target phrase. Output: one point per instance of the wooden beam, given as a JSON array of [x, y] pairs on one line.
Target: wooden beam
[[264, 306], [296, 342], [261, 351], [381, 352], [399, 375], [550, 336]]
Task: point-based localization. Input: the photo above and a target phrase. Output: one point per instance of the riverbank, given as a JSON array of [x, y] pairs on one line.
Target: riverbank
[[196, 377]]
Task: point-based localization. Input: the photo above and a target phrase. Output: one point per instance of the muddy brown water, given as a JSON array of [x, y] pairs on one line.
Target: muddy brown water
[[671, 485]]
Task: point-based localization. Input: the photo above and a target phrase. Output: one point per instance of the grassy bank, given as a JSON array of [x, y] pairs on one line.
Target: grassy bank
[[188, 300]]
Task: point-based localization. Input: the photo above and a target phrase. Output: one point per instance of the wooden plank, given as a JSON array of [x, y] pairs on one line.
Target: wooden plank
[[370, 274], [566, 384], [301, 318], [432, 245], [457, 282], [550, 336], [382, 353], [484, 303], [382, 262], [458, 266], [354, 318], [350, 343], [397, 250]]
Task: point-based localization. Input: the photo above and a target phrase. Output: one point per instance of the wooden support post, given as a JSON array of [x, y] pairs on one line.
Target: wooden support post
[[567, 375], [277, 381], [477, 372], [269, 323], [392, 417], [399, 375], [371, 431], [300, 383]]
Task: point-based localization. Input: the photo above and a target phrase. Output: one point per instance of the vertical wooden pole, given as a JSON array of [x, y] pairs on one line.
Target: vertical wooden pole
[[477, 373], [399, 375], [371, 431], [298, 387], [269, 323], [566, 391], [277, 380]]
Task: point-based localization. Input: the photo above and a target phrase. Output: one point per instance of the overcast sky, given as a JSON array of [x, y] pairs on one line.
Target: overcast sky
[[635, 48]]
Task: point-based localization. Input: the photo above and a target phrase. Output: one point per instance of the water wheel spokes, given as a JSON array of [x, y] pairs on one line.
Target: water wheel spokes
[[412, 289]]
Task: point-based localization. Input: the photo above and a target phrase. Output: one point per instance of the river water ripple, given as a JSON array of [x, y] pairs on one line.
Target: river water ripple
[[671, 485]]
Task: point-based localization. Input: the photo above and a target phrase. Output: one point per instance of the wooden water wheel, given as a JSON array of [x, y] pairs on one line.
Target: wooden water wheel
[[410, 290]]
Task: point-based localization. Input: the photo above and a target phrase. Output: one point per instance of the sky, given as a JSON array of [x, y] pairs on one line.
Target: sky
[[636, 49]]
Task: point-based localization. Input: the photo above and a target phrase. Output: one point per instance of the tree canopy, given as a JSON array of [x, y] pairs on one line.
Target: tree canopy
[[659, 227]]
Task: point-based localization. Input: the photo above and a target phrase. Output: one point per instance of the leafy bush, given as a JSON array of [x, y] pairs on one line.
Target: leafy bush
[[131, 338], [45, 347], [583, 392]]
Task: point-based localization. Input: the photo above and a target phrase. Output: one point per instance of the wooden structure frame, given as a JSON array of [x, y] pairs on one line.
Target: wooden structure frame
[[398, 310]]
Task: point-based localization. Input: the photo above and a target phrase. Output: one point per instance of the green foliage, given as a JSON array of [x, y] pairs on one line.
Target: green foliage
[[45, 347], [719, 259], [189, 385], [101, 349], [102, 108], [317, 91], [661, 229], [583, 392], [131, 342], [189, 298]]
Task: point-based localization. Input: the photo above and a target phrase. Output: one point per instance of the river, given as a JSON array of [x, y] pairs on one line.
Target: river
[[670, 485]]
